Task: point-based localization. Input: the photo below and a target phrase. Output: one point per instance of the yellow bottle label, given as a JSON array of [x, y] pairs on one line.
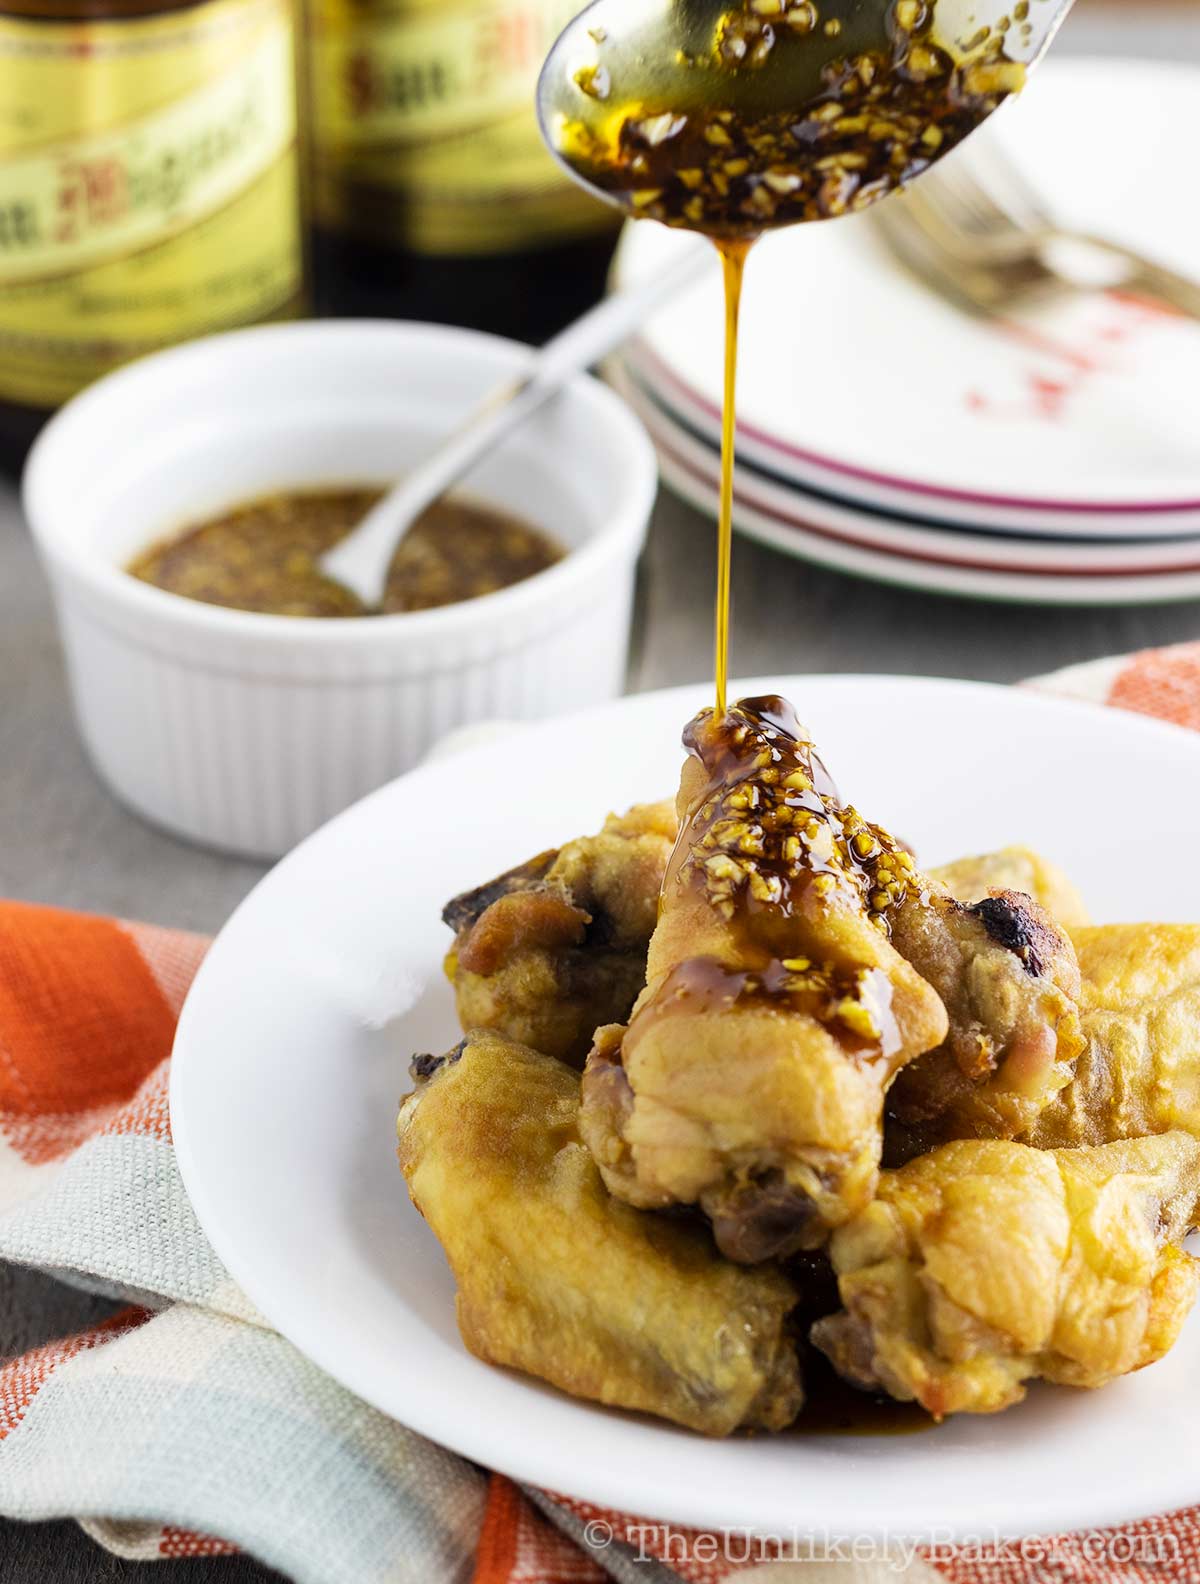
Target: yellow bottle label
[[148, 187], [425, 126]]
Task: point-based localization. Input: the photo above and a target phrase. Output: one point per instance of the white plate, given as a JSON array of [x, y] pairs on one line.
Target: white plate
[[846, 540], [293, 1048], [856, 377]]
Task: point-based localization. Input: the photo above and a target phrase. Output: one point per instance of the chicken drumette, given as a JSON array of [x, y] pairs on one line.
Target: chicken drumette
[[558, 1279], [1140, 1005], [987, 1264], [550, 951], [750, 1079], [1139, 1069], [1009, 978]]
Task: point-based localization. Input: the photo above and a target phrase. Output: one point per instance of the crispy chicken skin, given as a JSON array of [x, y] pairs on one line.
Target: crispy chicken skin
[[1140, 1072], [1015, 869], [1009, 978], [750, 1079], [987, 1264], [552, 950], [558, 1279]]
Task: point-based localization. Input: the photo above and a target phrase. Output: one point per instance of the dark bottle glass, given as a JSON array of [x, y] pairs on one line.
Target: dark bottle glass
[[433, 197]]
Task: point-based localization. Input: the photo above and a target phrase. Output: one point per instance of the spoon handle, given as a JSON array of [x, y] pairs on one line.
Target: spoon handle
[[361, 560]]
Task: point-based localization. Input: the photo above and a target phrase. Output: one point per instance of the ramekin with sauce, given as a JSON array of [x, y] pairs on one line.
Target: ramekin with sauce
[[245, 730]]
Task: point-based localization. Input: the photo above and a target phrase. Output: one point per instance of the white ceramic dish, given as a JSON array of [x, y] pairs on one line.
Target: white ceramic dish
[[293, 1048], [856, 379], [858, 542], [244, 731]]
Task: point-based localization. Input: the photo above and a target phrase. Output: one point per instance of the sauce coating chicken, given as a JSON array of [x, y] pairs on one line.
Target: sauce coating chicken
[[560, 1280], [987, 1264], [751, 1076]]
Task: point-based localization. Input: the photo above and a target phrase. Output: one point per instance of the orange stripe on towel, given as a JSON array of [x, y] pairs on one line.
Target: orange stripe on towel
[[22, 1378], [83, 1023], [187, 1543], [518, 1546], [1164, 683]]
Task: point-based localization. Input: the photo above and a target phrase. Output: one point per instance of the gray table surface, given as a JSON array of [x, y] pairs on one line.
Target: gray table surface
[[63, 840]]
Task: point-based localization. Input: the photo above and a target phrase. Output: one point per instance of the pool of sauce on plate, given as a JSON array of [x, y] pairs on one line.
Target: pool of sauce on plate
[[789, 111], [262, 556], [832, 1407]]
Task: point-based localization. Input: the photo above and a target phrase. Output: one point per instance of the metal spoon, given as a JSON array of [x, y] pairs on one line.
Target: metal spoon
[[361, 560], [661, 56]]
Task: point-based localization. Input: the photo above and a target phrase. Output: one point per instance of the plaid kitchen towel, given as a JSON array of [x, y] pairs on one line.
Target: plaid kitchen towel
[[184, 1426]]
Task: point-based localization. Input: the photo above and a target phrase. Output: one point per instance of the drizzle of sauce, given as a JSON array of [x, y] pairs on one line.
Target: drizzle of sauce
[[787, 111], [733, 268], [722, 156]]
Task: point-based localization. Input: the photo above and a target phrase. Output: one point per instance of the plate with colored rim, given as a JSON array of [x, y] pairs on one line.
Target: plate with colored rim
[[963, 540], [292, 1054], [845, 539], [856, 378]]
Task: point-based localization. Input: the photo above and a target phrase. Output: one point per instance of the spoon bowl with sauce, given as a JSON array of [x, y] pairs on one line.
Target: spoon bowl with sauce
[[737, 117]]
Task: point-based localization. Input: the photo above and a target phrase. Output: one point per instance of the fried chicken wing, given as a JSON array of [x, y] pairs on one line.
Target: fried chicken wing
[[750, 1079], [553, 949], [1140, 1072], [558, 1279], [1009, 978], [1015, 869], [987, 1264]]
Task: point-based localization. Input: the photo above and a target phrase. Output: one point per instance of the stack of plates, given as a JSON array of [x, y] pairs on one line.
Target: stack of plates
[[1054, 458]]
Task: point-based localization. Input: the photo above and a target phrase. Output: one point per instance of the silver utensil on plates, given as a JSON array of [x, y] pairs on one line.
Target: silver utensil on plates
[[978, 233]]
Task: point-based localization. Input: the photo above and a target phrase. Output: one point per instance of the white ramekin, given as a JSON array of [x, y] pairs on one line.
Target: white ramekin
[[245, 732]]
